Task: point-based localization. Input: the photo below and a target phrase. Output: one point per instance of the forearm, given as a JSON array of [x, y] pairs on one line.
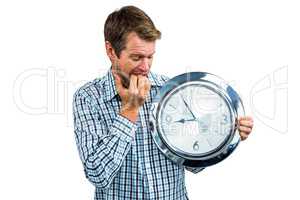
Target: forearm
[[102, 146], [103, 157]]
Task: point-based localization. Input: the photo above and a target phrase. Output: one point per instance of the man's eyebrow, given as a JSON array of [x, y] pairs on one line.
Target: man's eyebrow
[[141, 54]]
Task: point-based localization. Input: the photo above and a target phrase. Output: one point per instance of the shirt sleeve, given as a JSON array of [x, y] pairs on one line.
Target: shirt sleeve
[[102, 149]]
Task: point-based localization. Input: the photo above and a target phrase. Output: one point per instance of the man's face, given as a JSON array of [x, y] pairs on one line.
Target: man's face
[[136, 58]]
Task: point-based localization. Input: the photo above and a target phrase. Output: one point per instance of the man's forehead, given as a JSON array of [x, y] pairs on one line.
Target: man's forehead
[[140, 51], [136, 45]]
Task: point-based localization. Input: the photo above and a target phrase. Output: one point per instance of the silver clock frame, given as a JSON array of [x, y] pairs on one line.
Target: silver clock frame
[[225, 91]]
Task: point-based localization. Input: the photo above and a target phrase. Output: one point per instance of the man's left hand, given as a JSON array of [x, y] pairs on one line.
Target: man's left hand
[[245, 126]]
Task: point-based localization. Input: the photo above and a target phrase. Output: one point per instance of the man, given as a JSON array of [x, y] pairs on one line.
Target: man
[[111, 117]]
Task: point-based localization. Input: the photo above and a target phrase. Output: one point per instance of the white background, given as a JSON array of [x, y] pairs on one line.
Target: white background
[[49, 48]]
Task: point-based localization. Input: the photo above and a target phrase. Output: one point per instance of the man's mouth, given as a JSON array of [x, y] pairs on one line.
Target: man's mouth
[[126, 79], [137, 71]]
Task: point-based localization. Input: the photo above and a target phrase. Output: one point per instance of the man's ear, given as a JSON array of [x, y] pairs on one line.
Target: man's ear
[[110, 51]]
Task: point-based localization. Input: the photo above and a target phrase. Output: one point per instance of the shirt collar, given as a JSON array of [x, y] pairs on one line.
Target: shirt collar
[[110, 86]]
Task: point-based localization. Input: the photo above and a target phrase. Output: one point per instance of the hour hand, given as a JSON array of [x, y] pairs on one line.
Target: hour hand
[[180, 121], [184, 120]]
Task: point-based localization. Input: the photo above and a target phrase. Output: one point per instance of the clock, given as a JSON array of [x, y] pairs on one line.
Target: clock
[[194, 119]]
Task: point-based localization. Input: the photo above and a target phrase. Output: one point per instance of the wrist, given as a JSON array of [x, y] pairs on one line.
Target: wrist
[[130, 113]]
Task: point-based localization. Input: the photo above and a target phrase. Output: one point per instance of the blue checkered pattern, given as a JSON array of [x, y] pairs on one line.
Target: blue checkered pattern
[[120, 157]]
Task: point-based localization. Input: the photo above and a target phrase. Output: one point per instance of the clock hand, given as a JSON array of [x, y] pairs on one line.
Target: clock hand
[[187, 107], [184, 120], [181, 121]]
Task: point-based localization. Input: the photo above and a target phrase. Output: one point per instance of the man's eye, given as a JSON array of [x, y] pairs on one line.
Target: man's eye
[[135, 58]]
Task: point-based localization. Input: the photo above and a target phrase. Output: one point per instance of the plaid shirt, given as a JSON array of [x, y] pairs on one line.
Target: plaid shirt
[[119, 157]]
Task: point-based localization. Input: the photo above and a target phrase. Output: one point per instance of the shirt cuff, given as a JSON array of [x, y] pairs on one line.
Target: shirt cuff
[[124, 127]]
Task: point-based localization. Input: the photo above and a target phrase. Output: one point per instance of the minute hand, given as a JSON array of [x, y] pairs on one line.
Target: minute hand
[[187, 107]]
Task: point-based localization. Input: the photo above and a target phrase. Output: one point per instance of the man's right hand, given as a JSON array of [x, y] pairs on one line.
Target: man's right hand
[[133, 97]]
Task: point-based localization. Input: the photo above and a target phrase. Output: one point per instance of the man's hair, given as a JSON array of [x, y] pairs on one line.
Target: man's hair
[[126, 20]]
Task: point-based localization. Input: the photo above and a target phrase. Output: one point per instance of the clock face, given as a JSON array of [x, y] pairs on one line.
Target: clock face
[[195, 119]]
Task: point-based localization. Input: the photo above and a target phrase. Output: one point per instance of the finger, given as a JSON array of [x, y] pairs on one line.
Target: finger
[[143, 86], [141, 81], [246, 123], [147, 85], [243, 135], [248, 118], [245, 129], [133, 83]]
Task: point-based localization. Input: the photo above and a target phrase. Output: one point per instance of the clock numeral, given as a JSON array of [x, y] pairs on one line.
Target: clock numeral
[[196, 146], [168, 118], [172, 106], [224, 119]]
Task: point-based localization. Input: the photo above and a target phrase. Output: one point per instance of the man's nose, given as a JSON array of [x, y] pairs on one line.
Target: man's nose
[[145, 64]]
